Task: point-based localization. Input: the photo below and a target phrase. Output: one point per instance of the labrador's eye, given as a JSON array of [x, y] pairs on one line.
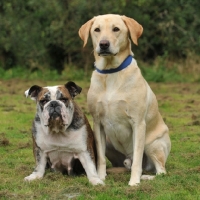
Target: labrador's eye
[[97, 30], [116, 29]]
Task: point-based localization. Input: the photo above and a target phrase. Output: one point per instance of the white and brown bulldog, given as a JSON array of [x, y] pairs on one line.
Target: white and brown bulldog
[[62, 136]]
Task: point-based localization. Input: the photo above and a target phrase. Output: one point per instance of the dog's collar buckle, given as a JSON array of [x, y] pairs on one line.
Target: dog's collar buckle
[[124, 64]]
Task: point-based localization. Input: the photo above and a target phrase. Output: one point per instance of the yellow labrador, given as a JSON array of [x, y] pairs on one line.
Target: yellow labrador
[[123, 106]]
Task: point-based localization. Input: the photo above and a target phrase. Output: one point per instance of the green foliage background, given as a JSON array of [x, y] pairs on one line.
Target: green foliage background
[[44, 34]]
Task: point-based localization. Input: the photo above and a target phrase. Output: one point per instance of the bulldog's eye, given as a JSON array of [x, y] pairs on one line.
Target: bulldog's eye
[[43, 102], [116, 29], [64, 100], [97, 30]]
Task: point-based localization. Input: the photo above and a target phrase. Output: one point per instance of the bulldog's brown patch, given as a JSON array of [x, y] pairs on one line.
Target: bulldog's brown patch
[[42, 93], [64, 92], [58, 124], [91, 142]]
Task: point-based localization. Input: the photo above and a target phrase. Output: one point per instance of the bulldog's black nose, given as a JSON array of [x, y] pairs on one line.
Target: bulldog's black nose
[[54, 104], [54, 109], [104, 44]]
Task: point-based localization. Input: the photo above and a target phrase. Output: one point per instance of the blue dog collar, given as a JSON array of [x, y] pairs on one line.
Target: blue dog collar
[[125, 64]]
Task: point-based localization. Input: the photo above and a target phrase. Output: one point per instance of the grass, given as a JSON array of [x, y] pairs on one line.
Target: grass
[[180, 107]]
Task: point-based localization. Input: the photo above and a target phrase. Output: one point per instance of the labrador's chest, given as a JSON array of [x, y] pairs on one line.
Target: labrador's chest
[[113, 112], [116, 101]]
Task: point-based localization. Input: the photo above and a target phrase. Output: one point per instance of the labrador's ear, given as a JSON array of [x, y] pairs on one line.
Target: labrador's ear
[[33, 92], [84, 31], [73, 89], [134, 28]]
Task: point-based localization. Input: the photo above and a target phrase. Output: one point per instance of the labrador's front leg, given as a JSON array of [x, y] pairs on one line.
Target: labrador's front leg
[[100, 140], [139, 131]]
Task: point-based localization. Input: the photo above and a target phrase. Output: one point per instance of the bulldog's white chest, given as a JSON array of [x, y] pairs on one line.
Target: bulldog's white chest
[[69, 142]]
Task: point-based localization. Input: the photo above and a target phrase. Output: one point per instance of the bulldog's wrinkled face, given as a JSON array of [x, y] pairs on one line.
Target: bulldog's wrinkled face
[[55, 106]]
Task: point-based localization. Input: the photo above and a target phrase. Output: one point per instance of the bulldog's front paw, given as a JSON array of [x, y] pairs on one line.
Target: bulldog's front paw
[[32, 177], [96, 181]]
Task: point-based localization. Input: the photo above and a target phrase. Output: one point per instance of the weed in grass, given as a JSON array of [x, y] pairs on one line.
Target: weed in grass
[[3, 140]]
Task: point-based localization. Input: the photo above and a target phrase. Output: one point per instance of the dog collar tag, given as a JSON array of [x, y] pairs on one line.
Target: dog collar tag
[[125, 64]]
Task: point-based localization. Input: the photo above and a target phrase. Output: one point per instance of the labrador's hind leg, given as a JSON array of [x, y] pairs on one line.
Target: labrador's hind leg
[[157, 155]]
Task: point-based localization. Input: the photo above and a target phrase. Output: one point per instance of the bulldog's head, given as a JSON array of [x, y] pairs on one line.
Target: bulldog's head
[[55, 106]]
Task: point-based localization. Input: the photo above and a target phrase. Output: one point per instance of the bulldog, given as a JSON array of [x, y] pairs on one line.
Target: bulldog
[[62, 136]]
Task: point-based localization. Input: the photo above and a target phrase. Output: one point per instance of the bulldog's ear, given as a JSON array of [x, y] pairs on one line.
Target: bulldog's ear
[[84, 31], [73, 88], [134, 28], [33, 92]]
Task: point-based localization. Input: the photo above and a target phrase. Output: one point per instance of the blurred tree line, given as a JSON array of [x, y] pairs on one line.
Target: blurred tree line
[[44, 34]]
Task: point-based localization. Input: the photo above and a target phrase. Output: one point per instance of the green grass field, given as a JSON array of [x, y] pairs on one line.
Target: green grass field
[[180, 107]]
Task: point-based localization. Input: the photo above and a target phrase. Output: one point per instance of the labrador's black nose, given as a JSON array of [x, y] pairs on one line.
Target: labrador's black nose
[[104, 44]]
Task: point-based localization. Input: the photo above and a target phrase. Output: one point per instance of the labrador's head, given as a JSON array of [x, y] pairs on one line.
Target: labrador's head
[[110, 33]]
